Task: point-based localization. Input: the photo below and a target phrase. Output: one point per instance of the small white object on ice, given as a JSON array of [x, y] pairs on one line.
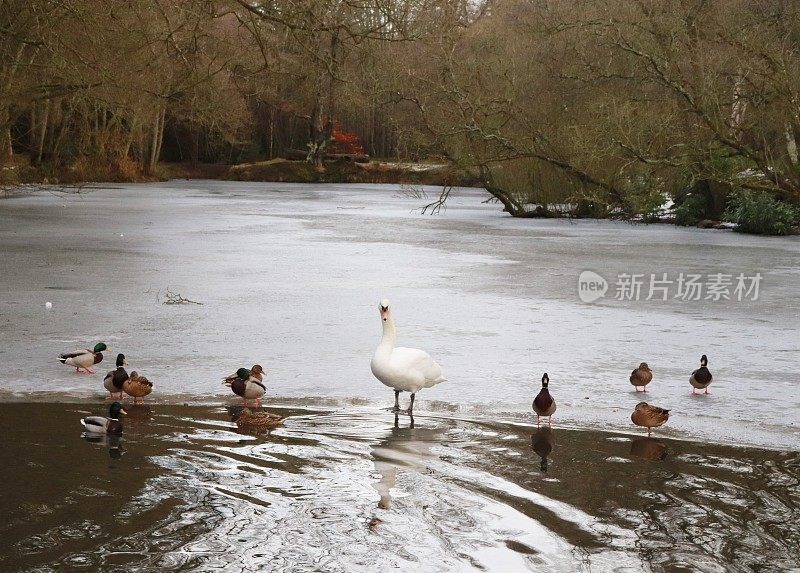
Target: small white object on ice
[[48, 305], [121, 235]]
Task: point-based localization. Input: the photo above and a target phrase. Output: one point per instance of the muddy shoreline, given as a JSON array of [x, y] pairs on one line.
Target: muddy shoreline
[[183, 490]]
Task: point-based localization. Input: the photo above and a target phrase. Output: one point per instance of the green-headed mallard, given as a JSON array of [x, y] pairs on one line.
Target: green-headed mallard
[[649, 416], [114, 380], [247, 383], [85, 358], [110, 425], [641, 376], [701, 377], [257, 422], [543, 404], [138, 387]]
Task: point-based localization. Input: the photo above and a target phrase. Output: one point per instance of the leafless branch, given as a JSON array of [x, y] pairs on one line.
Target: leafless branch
[[176, 298]]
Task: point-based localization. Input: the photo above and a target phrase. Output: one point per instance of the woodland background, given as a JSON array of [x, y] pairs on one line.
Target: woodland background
[[594, 108]]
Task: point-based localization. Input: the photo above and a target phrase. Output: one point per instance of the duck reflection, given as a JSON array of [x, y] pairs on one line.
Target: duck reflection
[[112, 441], [648, 449], [401, 449], [138, 413], [542, 442]]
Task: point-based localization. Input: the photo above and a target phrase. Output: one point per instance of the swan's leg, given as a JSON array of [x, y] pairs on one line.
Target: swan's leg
[[411, 407], [396, 420], [411, 417], [397, 400]]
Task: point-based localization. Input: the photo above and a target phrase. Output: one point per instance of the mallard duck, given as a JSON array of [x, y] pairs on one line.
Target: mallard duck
[[85, 358], [649, 416], [641, 376], [247, 384], [542, 442], [138, 387], [701, 377], [110, 425], [249, 421], [114, 380], [543, 404], [402, 369]]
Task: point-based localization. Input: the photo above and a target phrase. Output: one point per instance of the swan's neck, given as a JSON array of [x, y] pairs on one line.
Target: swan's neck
[[389, 336]]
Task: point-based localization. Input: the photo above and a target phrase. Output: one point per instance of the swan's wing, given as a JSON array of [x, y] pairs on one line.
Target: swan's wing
[[416, 359]]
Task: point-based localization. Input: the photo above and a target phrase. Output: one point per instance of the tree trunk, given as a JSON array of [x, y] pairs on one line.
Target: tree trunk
[[318, 142], [6, 150], [65, 120], [511, 205], [155, 142], [194, 148], [42, 131], [271, 133]]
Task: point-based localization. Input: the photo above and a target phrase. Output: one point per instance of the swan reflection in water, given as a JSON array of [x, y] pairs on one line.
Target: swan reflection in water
[[542, 442], [648, 449], [402, 449]]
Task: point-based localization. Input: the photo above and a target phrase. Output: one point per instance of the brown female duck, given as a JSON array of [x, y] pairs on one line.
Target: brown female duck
[[138, 387], [258, 422], [649, 416], [641, 376]]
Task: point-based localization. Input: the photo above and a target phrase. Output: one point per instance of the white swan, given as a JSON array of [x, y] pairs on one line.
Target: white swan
[[404, 369]]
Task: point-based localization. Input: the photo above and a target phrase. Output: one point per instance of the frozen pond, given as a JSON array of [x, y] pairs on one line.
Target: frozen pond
[[290, 276]]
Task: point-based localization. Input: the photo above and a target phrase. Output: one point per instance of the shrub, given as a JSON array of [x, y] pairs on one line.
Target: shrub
[[691, 210], [760, 213]]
